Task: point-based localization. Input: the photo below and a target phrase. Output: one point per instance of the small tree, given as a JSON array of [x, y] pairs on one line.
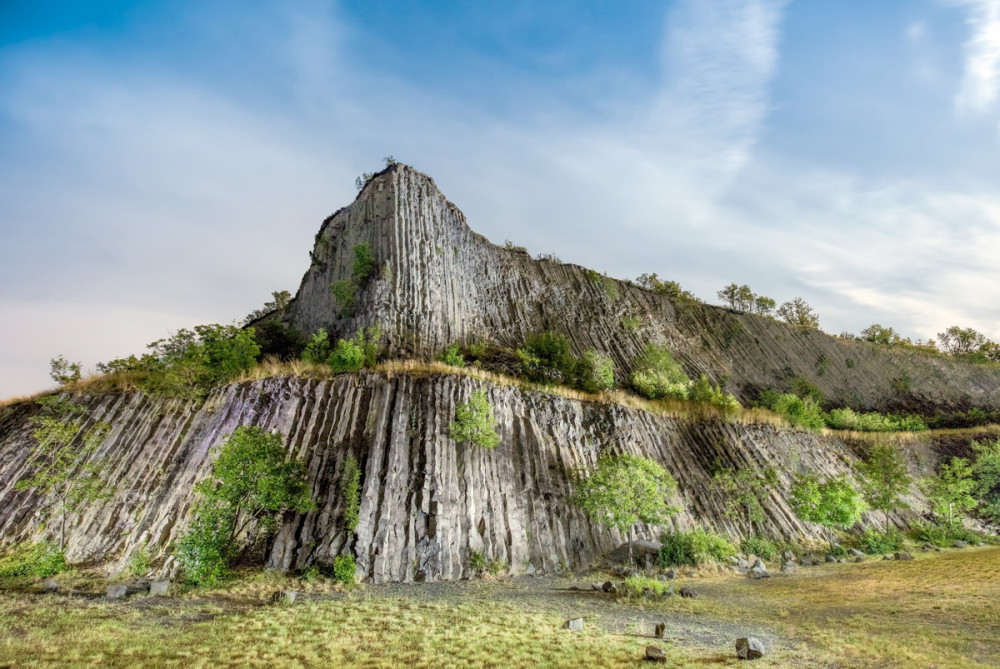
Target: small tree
[[625, 489], [279, 300], [798, 312], [885, 479], [253, 480], [886, 336], [655, 374], [64, 466], [951, 490], [594, 372], [957, 341], [832, 503], [743, 491], [740, 298], [474, 422], [986, 472], [764, 305], [666, 288], [63, 371]]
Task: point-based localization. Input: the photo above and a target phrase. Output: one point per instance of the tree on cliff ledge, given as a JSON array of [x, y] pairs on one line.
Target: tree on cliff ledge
[[625, 489]]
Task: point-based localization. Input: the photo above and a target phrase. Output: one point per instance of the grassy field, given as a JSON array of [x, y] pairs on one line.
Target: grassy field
[[941, 610]]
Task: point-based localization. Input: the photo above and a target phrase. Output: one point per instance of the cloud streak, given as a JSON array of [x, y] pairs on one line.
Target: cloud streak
[[980, 85]]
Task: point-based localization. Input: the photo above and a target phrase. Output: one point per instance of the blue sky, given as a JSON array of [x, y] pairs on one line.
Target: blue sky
[[164, 164]]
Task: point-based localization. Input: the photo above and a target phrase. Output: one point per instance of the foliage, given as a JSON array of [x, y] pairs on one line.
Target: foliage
[[742, 298], [764, 305], [886, 336], [743, 491], [345, 292], [318, 348], [797, 312], [848, 419], [364, 261], [187, 364], [63, 465], [474, 422], [885, 479], [794, 409], [477, 561], [692, 547], [958, 341], [350, 489], [279, 300], [951, 490], [349, 355], [141, 561], [986, 473], [703, 391], [594, 372], [625, 489], [252, 481], [635, 586], [761, 546], [833, 502], [40, 560], [451, 356], [666, 288], [874, 542], [344, 569], [631, 323], [63, 371], [546, 358], [655, 374], [279, 340]]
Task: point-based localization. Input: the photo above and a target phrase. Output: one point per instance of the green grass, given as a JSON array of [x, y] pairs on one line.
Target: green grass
[[941, 610]]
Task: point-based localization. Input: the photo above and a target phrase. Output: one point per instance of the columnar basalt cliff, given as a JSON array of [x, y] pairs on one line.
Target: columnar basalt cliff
[[427, 501], [438, 282]]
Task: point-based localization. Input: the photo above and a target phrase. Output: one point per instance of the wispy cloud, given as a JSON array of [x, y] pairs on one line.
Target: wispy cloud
[[980, 86]]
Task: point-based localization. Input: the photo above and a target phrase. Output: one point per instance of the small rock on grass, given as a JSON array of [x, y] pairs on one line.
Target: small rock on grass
[[749, 648], [856, 553], [596, 586], [116, 591], [607, 586], [284, 597], [50, 586], [903, 556], [688, 593], [788, 568], [574, 624], [159, 587], [660, 630], [655, 654], [961, 544]]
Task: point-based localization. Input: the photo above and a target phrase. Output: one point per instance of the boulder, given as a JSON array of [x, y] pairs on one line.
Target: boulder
[[613, 590], [788, 568], [116, 591], [903, 556], [749, 648], [759, 564], [660, 630], [688, 593], [596, 586], [284, 597], [859, 559], [655, 654], [159, 587], [671, 573], [574, 624], [961, 544], [886, 557], [854, 552], [640, 549], [50, 586], [788, 556], [830, 558], [669, 592], [607, 586]]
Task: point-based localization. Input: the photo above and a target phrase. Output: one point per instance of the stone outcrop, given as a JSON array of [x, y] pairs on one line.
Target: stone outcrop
[[436, 282], [427, 501]]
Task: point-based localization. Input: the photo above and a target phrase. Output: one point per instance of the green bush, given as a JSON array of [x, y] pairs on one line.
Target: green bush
[[207, 548], [318, 349], [546, 357], [345, 292], [349, 355], [635, 585], [594, 372], [760, 546], [655, 374], [344, 569], [794, 409], [350, 488], [692, 548], [474, 422], [941, 534], [477, 561], [141, 561], [364, 261], [847, 419], [703, 391], [874, 542], [451, 356], [40, 560]]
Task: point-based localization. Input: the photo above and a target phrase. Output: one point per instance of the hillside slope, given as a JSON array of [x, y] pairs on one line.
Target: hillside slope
[[437, 282]]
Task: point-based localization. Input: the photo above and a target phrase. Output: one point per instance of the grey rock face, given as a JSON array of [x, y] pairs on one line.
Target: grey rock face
[[116, 591], [749, 648], [574, 624], [655, 654], [159, 587], [426, 501], [438, 282]]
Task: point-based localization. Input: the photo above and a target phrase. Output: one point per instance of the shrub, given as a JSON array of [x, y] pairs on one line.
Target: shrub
[[703, 391], [207, 548], [546, 358], [848, 419], [40, 560], [594, 372], [474, 422], [364, 261], [477, 561], [692, 548], [318, 348], [656, 375], [349, 355], [345, 293], [451, 356], [798, 411], [141, 562], [874, 542], [760, 546], [350, 488], [63, 371], [344, 569], [832, 502], [635, 585]]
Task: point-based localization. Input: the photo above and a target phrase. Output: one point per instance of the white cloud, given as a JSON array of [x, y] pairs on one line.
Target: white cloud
[[980, 84]]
